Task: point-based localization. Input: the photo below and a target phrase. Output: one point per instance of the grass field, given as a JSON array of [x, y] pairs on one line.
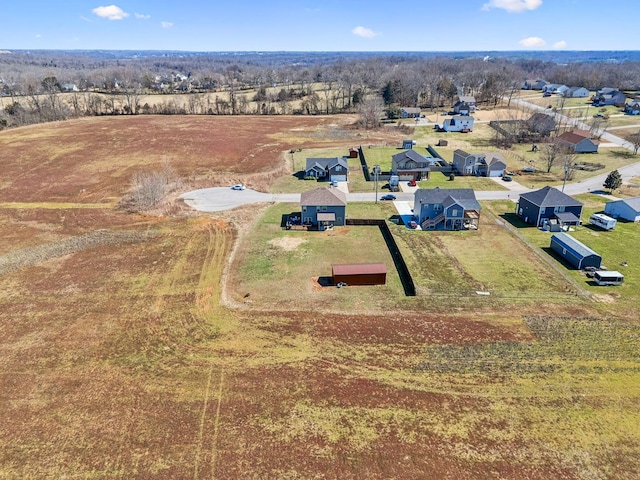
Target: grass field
[[141, 359]]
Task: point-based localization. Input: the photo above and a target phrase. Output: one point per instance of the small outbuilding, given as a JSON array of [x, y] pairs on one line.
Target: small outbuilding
[[574, 252], [360, 273]]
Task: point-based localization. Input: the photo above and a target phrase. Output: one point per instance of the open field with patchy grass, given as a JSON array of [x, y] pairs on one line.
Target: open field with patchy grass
[[128, 351]]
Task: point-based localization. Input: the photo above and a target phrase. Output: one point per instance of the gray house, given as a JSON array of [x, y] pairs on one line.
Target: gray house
[[627, 209], [577, 92], [549, 207], [479, 164], [327, 169], [446, 208], [323, 208], [411, 163], [579, 141], [632, 108], [609, 96], [410, 112]]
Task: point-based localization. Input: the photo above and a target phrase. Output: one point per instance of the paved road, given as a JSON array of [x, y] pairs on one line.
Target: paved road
[[223, 198]]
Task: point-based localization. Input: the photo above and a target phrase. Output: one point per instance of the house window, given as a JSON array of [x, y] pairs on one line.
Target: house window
[[558, 209], [323, 208], [454, 212], [338, 168], [437, 207], [304, 209]]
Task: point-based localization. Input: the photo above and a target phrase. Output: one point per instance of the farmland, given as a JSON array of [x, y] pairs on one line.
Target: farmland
[[142, 356]]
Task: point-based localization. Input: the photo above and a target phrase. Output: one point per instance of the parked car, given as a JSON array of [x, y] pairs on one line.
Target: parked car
[[507, 178], [388, 197], [412, 183], [413, 224], [528, 170], [238, 186]]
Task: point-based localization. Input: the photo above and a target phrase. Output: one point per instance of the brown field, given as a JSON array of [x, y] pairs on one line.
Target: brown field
[[118, 360]]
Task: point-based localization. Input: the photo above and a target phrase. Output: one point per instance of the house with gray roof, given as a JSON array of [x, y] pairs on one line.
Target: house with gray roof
[[411, 164], [549, 208], [626, 209], [329, 169], [323, 208], [410, 112], [609, 96], [465, 105], [577, 92], [579, 141], [479, 164], [446, 208]]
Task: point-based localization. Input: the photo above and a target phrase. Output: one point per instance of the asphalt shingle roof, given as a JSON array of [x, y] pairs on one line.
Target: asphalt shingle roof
[[550, 197], [463, 196], [329, 196]]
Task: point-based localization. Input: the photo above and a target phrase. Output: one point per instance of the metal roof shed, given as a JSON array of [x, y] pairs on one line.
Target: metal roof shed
[[574, 252], [360, 273]]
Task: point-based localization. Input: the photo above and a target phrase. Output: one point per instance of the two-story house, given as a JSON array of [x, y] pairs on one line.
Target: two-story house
[[446, 208], [323, 208], [479, 164], [410, 164], [333, 169], [549, 207]]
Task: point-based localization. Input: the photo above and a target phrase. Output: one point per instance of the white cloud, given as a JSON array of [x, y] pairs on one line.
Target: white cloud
[[513, 6], [111, 12], [363, 32], [166, 24], [561, 45], [142, 16], [532, 42]]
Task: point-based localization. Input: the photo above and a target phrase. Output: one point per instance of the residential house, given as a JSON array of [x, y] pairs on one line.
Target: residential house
[[460, 123], [323, 208], [69, 87], [555, 88], [446, 209], [479, 164], [632, 108], [542, 124], [549, 208], [465, 105], [410, 112], [577, 92], [609, 96], [537, 84], [411, 164], [626, 209], [579, 141], [333, 169]]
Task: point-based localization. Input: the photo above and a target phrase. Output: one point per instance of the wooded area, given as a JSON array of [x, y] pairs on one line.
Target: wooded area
[[54, 85]]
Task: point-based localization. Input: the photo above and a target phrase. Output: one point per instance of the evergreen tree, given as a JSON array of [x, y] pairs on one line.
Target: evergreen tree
[[613, 181]]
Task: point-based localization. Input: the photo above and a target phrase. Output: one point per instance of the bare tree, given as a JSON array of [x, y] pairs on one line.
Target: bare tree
[[371, 110], [550, 154], [634, 139]]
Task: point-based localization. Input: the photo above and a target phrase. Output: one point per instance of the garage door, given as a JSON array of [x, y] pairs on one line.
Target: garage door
[[338, 178]]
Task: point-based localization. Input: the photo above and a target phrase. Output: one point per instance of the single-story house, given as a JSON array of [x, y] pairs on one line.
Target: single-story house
[[579, 141], [359, 273], [410, 112], [461, 123], [446, 208], [632, 108], [537, 84], [465, 105], [323, 208], [577, 92], [327, 169], [574, 252], [411, 163], [555, 88], [549, 207], [626, 209], [609, 96], [541, 123], [479, 164]]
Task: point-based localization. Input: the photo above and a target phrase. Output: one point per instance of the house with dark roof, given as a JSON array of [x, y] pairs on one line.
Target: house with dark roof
[[411, 163], [549, 208], [465, 105], [626, 209], [410, 112], [446, 208], [323, 208], [479, 164], [541, 123], [632, 108], [556, 88], [579, 141], [609, 96], [327, 169]]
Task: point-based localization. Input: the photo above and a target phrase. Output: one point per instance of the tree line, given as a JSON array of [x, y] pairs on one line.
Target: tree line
[[55, 85]]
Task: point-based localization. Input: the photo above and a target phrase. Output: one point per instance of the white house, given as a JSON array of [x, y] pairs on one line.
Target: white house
[[577, 92], [459, 123]]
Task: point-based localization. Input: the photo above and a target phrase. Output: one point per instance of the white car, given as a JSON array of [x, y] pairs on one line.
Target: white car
[[238, 186]]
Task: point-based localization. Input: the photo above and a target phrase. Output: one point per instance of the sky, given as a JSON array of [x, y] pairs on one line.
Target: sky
[[318, 25]]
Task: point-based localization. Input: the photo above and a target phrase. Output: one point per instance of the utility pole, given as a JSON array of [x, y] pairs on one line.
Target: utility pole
[[376, 172], [566, 171]]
